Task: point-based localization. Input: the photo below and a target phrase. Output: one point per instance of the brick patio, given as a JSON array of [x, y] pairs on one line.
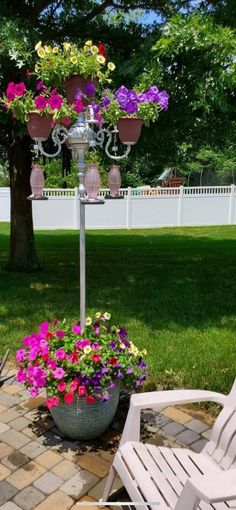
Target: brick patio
[[42, 470]]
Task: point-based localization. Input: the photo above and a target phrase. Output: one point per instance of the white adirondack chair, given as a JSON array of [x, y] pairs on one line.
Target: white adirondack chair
[[178, 478]]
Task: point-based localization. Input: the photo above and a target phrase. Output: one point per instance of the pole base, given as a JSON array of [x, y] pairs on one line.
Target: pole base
[[92, 201], [32, 197], [114, 197]]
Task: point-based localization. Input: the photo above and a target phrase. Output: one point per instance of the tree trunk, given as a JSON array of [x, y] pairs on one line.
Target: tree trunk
[[23, 256]]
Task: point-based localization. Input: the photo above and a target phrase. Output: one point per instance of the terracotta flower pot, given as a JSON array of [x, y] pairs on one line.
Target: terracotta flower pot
[[39, 126], [74, 83], [129, 129]]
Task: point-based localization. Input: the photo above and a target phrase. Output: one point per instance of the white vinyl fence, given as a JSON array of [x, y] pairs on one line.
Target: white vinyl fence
[[155, 207]]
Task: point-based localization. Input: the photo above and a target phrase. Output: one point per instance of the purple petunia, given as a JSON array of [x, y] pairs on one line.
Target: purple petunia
[[163, 99], [122, 334], [79, 94], [90, 89]]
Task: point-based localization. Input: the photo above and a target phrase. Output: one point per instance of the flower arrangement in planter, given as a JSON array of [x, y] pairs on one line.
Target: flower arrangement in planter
[[129, 109], [21, 101], [57, 64], [82, 371]]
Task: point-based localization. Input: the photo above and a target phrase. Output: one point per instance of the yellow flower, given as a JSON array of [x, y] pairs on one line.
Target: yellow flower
[[97, 315], [101, 59], [74, 59], [48, 49], [36, 68], [89, 43], [38, 45], [122, 346], [66, 46], [111, 66], [107, 316], [134, 351], [88, 321], [99, 74], [94, 49], [144, 352], [109, 80], [87, 349], [86, 49], [41, 52], [113, 329], [55, 49]]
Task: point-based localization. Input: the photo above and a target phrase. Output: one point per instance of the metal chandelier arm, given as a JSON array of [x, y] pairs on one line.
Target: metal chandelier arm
[[100, 138], [59, 136]]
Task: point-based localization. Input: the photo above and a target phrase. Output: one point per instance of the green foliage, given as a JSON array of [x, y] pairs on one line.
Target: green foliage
[[4, 176]]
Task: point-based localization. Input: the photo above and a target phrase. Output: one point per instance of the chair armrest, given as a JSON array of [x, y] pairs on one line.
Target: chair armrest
[[159, 400], [211, 488], [167, 398], [215, 487]]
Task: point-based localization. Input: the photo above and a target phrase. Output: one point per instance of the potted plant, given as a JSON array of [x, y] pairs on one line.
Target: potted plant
[[82, 371], [129, 109], [73, 67], [41, 108]]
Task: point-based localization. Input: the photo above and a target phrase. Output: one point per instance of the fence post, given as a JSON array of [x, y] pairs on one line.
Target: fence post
[[231, 204], [129, 199], [76, 209], [180, 205]]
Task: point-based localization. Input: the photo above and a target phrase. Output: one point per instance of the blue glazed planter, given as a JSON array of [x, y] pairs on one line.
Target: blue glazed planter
[[85, 421]]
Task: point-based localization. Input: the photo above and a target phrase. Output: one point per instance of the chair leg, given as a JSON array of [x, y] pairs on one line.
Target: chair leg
[[109, 483]]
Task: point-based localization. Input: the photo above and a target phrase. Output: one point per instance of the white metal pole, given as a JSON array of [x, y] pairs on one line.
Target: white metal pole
[[81, 175]]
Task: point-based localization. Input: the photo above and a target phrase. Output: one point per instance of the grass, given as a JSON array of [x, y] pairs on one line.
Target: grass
[[173, 288]]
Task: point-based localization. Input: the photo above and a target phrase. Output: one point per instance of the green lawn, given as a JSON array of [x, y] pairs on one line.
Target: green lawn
[[174, 289]]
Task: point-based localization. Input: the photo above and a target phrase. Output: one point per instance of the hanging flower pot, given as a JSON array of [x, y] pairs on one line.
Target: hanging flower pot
[[129, 129], [76, 82], [39, 126]]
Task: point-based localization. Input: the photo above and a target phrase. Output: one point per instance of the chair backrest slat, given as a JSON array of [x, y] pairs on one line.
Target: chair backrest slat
[[222, 445]]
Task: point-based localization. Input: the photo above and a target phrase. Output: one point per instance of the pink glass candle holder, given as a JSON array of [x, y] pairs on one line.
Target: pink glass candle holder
[[37, 181], [114, 180], [92, 181]]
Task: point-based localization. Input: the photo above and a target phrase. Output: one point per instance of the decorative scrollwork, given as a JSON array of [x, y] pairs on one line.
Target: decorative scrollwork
[[104, 137]]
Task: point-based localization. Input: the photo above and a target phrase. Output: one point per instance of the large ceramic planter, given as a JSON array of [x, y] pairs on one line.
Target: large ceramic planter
[[129, 129], [39, 126], [74, 83], [85, 421]]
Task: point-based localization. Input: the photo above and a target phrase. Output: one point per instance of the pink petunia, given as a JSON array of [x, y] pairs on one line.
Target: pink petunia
[[40, 85], [58, 373], [21, 375], [66, 121], [90, 399], [76, 329], [10, 92], [19, 89], [60, 354], [82, 391], [55, 102], [73, 385], [34, 392], [52, 402], [60, 333], [69, 398], [79, 106], [61, 386], [51, 364], [54, 92], [96, 358], [20, 355], [40, 103]]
